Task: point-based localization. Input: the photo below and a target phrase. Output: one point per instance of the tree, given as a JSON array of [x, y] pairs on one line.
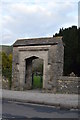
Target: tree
[[71, 38]]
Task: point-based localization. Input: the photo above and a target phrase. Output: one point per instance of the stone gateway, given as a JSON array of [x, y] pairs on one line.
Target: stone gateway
[[50, 50]]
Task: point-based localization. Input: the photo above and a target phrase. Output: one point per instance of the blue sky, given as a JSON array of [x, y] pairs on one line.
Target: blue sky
[[35, 18]]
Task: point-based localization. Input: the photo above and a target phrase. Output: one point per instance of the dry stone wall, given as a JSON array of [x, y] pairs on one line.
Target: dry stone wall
[[68, 85]]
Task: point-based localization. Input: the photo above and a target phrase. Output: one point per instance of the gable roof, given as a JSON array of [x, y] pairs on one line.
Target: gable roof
[[37, 41]]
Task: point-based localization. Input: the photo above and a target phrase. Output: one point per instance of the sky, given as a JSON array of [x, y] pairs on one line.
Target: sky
[[79, 14], [35, 18]]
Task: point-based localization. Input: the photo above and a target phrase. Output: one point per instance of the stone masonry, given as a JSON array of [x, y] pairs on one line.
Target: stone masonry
[[50, 50], [68, 85]]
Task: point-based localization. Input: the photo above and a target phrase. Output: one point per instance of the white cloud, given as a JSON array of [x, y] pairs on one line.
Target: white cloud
[[36, 18]]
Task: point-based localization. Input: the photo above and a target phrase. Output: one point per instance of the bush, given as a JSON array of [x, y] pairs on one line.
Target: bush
[[7, 67]]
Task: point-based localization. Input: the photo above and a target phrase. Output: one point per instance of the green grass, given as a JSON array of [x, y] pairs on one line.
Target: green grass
[[37, 82]]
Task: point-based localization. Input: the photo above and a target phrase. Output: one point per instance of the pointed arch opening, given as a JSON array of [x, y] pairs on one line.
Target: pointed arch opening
[[34, 72]]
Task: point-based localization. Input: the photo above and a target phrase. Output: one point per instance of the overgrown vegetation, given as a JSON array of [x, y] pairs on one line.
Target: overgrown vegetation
[[71, 40], [7, 66]]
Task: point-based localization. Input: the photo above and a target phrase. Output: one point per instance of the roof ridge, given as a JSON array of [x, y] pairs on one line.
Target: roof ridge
[[37, 41]]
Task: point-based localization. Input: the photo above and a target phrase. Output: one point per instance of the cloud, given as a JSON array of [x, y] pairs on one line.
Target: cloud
[[36, 18]]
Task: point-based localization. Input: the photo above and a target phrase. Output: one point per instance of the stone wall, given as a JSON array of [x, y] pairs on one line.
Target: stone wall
[[5, 83], [68, 85], [15, 69], [55, 63]]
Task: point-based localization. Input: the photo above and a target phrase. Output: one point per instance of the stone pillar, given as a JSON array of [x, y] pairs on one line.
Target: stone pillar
[[15, 69], [22, 74], [28, 74], [45, 75], [55, 60]]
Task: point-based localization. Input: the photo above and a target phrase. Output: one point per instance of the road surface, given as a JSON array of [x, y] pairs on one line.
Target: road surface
[[19, 110]]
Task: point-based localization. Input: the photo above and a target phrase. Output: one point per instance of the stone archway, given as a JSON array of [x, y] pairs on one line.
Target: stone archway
[[50, 50], [28, 83], [26, 72]]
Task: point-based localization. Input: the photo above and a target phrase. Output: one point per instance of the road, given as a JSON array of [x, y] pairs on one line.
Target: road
[[19, 110]]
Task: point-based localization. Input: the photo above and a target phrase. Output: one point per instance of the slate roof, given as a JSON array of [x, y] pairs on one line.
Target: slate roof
[[37, 41]]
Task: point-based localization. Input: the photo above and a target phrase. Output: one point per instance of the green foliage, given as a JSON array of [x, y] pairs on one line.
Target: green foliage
[[39, 68], [7, 66], [71, 40], [37, 82]]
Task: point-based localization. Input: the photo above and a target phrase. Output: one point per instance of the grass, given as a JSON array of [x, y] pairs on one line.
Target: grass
[[37, 82]]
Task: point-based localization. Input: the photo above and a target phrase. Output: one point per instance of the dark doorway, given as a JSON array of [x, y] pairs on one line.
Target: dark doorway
[[37, 73], [34, 73]]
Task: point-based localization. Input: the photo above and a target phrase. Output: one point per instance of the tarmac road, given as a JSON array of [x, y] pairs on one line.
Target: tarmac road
[[11, 109]]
